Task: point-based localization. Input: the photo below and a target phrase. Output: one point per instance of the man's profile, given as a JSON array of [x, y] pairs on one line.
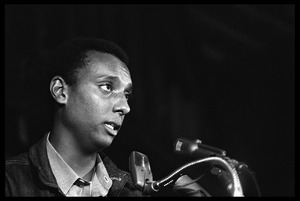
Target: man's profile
[[90, 84]]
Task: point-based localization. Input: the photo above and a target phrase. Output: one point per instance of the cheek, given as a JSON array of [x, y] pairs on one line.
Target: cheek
[[93, 106], [87, 108]]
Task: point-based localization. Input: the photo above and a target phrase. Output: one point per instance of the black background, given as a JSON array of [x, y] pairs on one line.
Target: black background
[[224, 74]]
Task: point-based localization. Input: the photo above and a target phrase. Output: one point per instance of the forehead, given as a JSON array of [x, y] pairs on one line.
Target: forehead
[[98, 63], [109, 60]]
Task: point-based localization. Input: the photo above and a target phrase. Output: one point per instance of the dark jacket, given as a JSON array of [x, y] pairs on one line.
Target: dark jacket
[[30, 174]]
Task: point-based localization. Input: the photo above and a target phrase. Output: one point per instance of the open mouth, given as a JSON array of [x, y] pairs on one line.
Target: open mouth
[[112, 127]]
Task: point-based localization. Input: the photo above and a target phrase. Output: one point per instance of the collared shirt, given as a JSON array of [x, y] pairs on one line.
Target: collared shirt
[[68, 180]]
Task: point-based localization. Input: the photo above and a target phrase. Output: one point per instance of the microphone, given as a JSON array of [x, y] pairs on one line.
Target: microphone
[[196, 149]]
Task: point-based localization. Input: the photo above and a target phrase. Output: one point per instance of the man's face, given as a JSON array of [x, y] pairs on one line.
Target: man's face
[[97, 102]]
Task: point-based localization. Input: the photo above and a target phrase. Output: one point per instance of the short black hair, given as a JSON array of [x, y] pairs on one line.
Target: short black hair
[[71, 54]]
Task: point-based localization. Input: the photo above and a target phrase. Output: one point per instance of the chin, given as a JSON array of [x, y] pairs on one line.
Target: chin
[[104, 142]]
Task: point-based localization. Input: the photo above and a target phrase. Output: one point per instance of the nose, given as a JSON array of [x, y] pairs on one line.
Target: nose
[[121, 105]]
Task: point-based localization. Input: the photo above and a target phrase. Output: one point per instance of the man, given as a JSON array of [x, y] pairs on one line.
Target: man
[[90, 84]]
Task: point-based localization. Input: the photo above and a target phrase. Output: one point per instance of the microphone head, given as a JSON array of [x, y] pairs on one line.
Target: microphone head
[[185, 146], [196, 149]]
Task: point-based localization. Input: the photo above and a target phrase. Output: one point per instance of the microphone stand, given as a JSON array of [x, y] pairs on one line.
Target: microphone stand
[[139, 167], [235, 187]]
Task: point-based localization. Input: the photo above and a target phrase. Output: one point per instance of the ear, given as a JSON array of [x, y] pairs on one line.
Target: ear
[[59, 89]]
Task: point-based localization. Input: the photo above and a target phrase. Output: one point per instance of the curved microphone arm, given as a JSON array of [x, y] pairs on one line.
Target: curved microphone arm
[[139, 167], [236, 189]]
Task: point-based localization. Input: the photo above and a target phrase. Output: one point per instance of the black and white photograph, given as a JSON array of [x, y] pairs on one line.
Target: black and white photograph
[[149, 100]]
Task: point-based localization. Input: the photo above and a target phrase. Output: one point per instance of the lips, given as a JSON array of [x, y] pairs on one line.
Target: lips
[[112, 127]]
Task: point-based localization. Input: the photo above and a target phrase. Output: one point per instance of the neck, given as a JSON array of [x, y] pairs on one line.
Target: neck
[[66, 145]]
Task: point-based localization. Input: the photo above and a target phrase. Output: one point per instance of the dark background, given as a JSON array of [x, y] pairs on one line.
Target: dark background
[[224, 74]]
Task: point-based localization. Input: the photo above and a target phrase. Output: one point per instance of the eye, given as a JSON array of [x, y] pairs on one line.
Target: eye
[[106, 87], [127, 95]]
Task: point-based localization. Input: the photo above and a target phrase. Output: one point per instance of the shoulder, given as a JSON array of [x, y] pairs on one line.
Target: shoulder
[[21, 159], [16, 165], [17, 170]]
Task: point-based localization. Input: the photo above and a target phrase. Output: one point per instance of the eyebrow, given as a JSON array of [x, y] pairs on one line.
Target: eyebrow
[[110, 77]]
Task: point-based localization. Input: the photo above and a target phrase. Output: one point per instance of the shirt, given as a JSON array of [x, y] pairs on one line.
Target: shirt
[[29, 175], [70, 183]]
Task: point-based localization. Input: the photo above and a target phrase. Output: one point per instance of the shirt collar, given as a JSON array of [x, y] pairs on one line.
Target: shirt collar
[[65, 175], [102, 174]]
